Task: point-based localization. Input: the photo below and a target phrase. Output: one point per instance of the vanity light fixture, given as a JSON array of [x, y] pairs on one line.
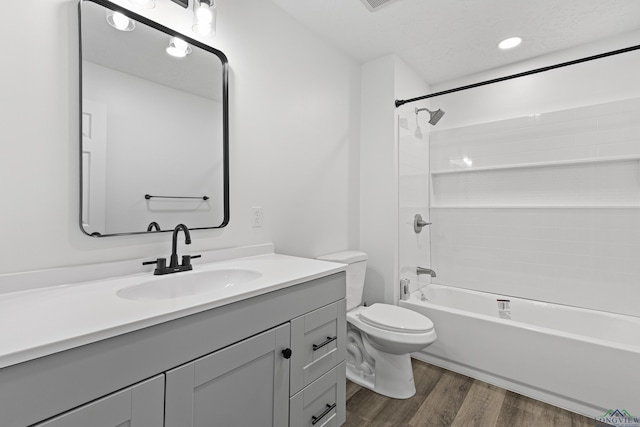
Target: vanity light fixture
[[182, 3], [510, 43], [204, 17], [119, 21], [178, 48], [147, 4]]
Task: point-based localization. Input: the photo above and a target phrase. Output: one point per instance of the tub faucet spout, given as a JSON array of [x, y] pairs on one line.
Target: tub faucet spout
[[422, 270]]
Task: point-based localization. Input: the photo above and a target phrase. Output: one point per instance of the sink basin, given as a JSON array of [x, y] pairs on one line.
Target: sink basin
[[180, 285]]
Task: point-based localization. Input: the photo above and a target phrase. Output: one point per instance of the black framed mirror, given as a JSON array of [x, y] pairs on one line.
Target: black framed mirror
[[154, 126]]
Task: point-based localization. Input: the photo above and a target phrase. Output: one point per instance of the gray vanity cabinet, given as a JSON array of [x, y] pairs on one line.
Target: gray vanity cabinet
[[246, 384], [137, 406], [220, 367], [250, 383]]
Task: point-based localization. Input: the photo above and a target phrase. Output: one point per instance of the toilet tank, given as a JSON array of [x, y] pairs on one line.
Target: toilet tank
[[357, 267]]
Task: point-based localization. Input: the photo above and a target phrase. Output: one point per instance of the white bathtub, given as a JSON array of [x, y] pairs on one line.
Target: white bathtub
[[586, 361]]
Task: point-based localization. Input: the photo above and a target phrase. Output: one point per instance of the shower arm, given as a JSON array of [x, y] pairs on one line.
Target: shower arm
[[400, 102]]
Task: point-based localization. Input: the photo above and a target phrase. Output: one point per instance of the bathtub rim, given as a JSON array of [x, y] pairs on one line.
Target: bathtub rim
[[415, 299]]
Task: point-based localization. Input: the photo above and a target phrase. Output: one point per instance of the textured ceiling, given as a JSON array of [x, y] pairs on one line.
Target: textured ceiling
[[446, 39]]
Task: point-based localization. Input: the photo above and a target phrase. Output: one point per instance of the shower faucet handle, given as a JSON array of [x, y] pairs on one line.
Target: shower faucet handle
[[418, 223]]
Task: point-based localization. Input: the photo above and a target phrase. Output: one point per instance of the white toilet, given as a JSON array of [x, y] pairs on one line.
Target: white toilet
[[381, 336]]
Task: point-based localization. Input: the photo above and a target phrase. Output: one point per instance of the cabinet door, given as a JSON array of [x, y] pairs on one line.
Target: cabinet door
[[138, 406], [243, 385]]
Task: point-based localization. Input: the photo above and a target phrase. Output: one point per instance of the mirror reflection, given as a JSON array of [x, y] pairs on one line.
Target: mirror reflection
[[153, 125]]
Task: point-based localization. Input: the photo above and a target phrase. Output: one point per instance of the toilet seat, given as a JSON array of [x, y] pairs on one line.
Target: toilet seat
[[395, 319], [392, 340]]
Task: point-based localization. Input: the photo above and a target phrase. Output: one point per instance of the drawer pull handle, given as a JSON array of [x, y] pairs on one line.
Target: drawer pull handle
[[286, 353], [315, 419], [322, 344]]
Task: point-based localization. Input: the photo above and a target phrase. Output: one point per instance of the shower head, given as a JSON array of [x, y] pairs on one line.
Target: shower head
[[434, 116]]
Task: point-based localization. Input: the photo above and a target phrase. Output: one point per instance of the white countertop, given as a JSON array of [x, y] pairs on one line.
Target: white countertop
[[42, 321]]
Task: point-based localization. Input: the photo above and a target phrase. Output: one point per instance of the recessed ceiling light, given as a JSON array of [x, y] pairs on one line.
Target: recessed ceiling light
[[510, 43]]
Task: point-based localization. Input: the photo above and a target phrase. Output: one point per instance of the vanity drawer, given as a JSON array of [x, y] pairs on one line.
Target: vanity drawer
[[322, 403], [318, 343]]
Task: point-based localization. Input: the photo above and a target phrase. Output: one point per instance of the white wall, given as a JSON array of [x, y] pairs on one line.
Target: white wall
[[390, 187], [379, 179], [294, 126], [542, 211]]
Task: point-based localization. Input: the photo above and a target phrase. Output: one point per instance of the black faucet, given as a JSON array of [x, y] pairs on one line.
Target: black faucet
[[174, 267], [174, 245]]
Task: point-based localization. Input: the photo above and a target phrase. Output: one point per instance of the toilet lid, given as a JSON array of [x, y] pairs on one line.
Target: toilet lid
[[394, 318]]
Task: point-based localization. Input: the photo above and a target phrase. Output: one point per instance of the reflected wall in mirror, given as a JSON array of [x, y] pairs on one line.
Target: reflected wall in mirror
[[154, 127]]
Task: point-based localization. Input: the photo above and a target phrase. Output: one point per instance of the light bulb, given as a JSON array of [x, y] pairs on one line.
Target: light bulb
[[120, 21], [180, 44], [204, 29], [178, 48], [204, 17]]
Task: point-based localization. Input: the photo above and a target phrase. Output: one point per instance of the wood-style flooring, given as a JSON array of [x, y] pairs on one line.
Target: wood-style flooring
[[444, 398]]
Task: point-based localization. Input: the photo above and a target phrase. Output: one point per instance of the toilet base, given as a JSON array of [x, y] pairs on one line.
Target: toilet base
[[392, 376]]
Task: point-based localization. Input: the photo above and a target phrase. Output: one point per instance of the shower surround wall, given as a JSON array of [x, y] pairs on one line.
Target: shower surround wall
[[536, 184], [550, 209]]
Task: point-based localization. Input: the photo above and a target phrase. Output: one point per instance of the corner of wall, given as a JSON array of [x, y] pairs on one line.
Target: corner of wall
[[383, 80]]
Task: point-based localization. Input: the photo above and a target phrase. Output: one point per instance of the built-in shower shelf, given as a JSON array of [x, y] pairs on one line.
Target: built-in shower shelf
[[602, 183], [538, 164]]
